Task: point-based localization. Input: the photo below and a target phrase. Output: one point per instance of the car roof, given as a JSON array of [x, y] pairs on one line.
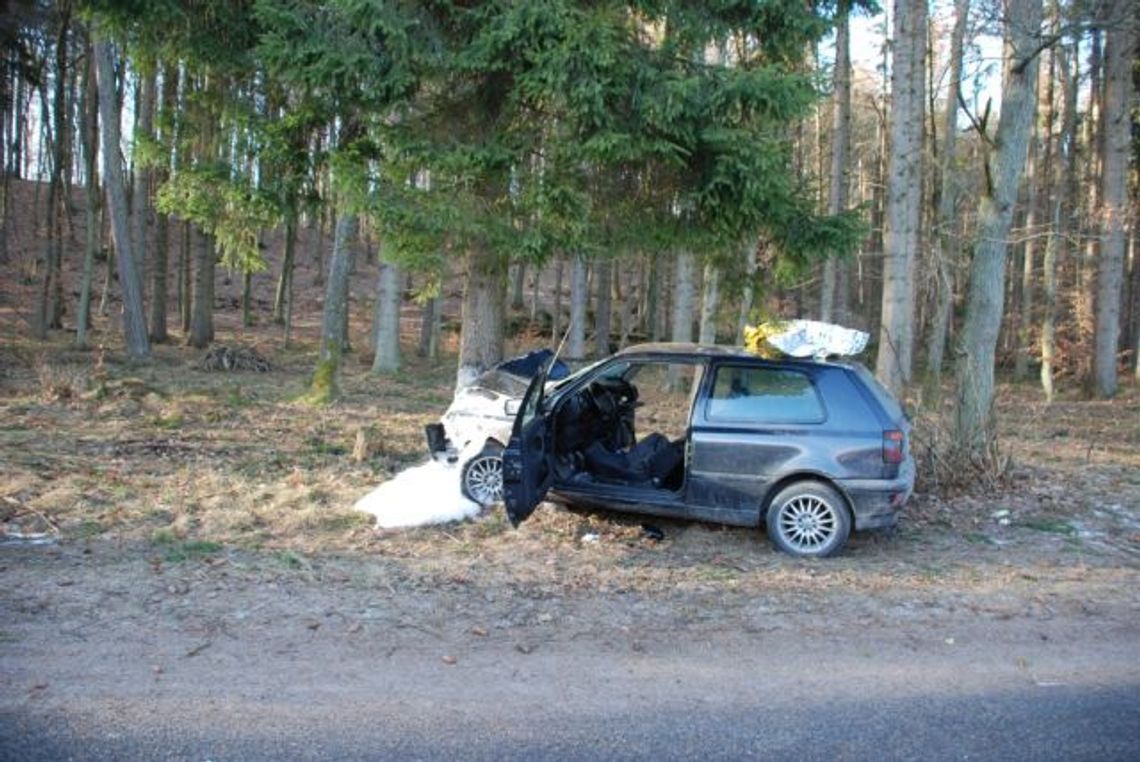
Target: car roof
[[691, 350]]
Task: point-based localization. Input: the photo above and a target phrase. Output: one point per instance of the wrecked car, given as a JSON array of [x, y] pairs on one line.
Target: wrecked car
[[811, 449], [476, 426]]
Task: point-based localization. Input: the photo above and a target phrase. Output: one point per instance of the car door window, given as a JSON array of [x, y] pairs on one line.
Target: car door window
[[763, 395]]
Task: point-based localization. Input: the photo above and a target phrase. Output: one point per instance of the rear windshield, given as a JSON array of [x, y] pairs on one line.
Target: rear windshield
[[893, 409]]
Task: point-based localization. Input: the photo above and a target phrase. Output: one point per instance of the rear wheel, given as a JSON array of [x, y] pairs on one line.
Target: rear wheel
[[808, 519], [481, 479]]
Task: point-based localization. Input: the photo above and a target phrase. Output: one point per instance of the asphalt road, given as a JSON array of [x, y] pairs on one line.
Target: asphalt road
[[809, 699]]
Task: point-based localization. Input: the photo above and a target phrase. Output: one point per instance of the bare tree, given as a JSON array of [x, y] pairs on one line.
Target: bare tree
[[840, 152], [974, 373], [134, 319], [904, 194], [946, 226], [89, 140], [1120, 44]]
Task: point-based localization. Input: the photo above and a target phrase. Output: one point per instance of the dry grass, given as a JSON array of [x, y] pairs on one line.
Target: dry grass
[[189, 463]]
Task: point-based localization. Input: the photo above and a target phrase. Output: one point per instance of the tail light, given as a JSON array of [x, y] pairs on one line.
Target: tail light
[[894, 446]]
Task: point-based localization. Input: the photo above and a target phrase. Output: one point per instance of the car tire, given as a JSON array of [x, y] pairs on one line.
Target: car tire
[[481, 478], [808, 519]]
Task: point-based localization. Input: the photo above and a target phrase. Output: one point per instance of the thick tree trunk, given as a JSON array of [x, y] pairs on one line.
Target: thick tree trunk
[[904, 195], [388, 293], [840, 150], [1120, 45], [481, 339], [710, 304], [683, 297], [579, 298], [974, 424], [202, 294], [134, 319], [90, 139]]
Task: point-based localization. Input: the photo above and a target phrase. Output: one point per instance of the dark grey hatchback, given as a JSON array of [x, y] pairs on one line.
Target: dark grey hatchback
[[813, 449]]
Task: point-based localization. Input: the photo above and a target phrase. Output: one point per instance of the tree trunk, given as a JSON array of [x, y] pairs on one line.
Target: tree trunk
[[284, 292], [140, 194], [517, 283], [603, 306], [50, 304], [840, 150], [683, 297], [710, 304], [134, 319], [202, 295], [388, 293], [429, 328], [90, 139], [974, 424], [947, 226], [247, 299], [1038, 168], [1094, 162], [747, 293], [333, 340], [579, 296], [481, 339], [556, 312], [904, 195], [185, 311], [1120, 44], [161, 267], [1057, 246]]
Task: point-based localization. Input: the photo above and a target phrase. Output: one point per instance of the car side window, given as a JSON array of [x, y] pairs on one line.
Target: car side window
[[763, 395]]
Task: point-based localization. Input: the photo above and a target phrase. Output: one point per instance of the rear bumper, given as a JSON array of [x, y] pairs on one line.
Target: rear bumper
[[877, 503]]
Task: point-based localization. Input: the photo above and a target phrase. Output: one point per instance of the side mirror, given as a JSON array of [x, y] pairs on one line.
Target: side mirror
[[512, 406]]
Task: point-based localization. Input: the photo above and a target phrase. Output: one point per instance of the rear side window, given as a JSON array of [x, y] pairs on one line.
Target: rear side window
[[764, 395]]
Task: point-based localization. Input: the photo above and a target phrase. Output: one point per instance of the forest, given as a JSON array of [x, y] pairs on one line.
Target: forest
[[964, 187]]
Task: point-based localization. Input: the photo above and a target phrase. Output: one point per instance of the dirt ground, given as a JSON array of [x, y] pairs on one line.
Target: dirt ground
[[198, 511]]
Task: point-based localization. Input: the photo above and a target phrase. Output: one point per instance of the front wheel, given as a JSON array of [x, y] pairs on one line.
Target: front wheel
[[808, 519], [481, 479]]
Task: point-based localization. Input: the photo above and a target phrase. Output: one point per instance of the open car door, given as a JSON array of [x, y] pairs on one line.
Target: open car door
[[528, 461]]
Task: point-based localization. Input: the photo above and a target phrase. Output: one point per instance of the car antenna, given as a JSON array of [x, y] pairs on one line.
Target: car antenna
[[565, 336]]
